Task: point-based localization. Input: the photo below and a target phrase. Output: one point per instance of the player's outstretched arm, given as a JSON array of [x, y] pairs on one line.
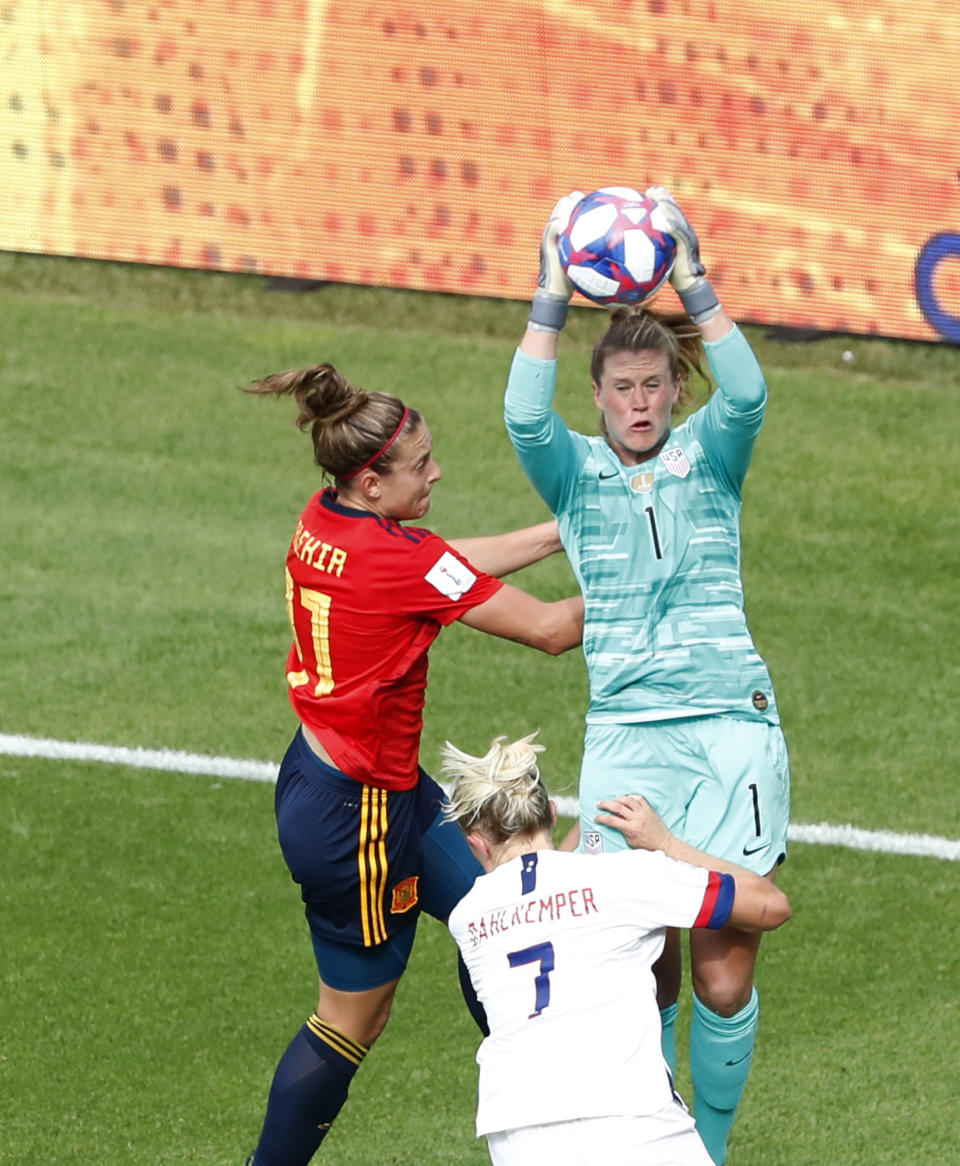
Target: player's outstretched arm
[[689, 276], [551, 300], [758, 904], [515, 615], [501, 554]]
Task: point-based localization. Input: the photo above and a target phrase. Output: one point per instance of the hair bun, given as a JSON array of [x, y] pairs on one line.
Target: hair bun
[[327, 396]]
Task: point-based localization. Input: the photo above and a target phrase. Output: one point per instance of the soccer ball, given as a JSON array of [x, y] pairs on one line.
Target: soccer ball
[[615, 249]]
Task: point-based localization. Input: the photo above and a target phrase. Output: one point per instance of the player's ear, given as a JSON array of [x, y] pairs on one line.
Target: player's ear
[[369, 483], [553, 813], [596, 394], [480, 845]]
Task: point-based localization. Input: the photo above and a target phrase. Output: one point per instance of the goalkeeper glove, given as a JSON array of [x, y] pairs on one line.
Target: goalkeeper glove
[[548, 310], [688, 275]]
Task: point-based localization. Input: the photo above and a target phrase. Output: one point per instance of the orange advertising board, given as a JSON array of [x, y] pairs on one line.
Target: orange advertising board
[[814, 144]]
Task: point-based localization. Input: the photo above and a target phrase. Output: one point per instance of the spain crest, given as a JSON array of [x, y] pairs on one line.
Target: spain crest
[[405, 895]]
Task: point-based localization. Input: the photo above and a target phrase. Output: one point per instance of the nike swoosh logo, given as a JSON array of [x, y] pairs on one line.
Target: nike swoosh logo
[[756, 849], [603, 477], [740, 1059]]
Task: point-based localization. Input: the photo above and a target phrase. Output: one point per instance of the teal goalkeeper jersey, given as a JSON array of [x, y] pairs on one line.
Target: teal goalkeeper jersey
[[655, 547]]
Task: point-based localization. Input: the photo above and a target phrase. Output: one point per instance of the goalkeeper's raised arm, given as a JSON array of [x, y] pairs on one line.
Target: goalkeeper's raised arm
[[548, 308], [689, 275]]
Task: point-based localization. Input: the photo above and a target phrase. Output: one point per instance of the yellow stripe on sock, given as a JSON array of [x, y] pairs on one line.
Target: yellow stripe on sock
[[337, 1040]]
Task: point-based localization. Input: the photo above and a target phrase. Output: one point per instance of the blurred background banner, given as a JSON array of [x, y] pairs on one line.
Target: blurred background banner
[[814, 143]]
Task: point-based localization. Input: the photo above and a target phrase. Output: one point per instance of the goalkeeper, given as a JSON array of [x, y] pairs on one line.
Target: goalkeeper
[[682, 709]]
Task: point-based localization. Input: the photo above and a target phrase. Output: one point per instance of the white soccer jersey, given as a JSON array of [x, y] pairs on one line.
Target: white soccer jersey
[[560, 948]]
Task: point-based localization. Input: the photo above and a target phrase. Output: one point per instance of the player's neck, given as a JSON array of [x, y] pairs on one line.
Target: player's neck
[[632, 457], [514, 847]]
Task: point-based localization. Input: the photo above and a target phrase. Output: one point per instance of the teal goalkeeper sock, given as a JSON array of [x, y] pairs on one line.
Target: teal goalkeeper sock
[[668, 1036], [721, 1051]]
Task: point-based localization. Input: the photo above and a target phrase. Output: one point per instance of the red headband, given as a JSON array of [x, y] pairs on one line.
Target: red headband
[[383, 448]]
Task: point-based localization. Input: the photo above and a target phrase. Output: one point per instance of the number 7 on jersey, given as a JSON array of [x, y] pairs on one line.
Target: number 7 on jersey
[[541, 953]]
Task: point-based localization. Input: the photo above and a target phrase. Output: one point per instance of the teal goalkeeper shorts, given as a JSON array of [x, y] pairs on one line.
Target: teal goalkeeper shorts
[[720, 783]]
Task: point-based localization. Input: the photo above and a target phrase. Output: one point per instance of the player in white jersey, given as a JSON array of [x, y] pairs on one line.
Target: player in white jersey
[[560, 948], [682, 708]]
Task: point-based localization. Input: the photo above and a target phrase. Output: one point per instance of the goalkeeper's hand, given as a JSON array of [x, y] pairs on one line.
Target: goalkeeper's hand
[[688, 275], [548, 311]]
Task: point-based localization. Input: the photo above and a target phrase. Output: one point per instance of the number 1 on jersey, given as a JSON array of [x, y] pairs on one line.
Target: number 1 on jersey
[[654, 533], [541, 953], [756, 807]]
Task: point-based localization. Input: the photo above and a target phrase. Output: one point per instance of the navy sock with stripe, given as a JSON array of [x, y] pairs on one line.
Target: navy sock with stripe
[[309, 1088]]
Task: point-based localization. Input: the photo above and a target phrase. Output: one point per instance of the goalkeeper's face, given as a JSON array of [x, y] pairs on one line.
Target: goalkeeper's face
[[636, 395]]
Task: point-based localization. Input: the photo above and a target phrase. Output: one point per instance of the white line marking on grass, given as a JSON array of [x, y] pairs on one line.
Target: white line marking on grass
[[167, 759], [853, 838], [175, 761]]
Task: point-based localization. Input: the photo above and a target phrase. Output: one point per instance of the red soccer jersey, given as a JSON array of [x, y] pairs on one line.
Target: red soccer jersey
[[366, 597]]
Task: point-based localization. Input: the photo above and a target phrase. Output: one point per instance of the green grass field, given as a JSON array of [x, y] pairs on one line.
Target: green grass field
[[154, 959]]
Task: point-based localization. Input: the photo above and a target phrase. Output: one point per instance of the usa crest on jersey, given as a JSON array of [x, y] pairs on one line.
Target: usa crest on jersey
[[675, 460], [592, 842]]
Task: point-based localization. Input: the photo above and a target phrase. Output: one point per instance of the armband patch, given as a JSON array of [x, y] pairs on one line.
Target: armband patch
[[717, 901], [450, 577]]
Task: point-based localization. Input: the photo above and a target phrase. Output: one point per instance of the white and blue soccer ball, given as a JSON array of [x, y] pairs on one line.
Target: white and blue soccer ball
[[615, 248]]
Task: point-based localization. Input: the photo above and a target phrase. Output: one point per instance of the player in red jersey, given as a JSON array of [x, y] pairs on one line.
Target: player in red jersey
[[359, 822]]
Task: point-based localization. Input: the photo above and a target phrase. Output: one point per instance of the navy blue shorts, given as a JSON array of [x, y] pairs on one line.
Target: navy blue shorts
[[367, 861]]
